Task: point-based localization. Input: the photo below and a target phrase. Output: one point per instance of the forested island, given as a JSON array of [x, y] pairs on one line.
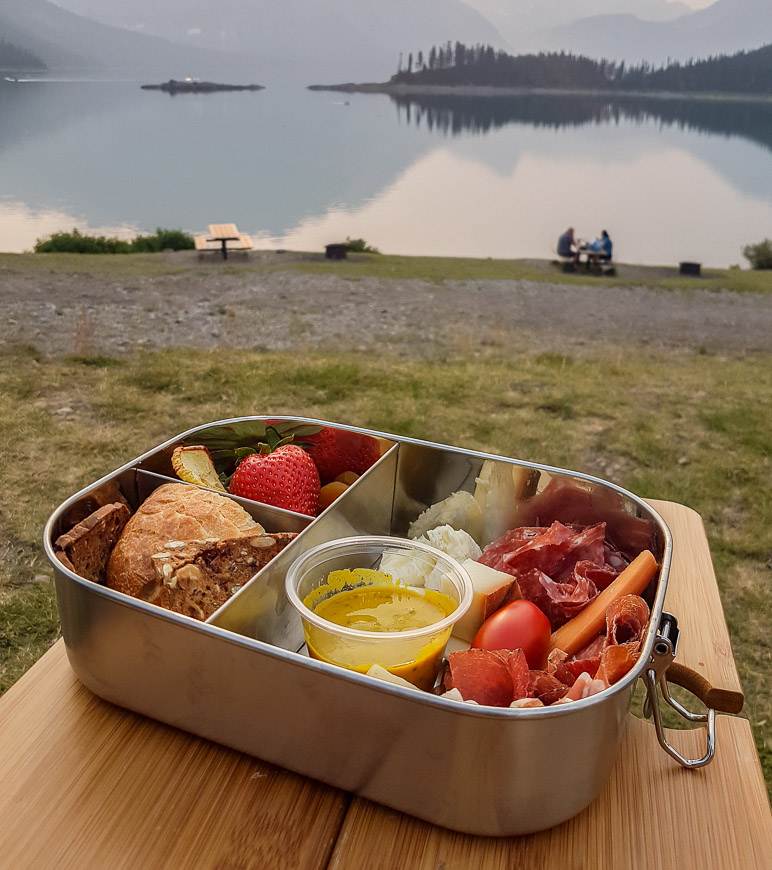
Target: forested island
[[192, 86], [14, 58], [481, 69]]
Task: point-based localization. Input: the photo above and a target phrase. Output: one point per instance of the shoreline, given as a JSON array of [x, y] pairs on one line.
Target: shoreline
[[488, 91]]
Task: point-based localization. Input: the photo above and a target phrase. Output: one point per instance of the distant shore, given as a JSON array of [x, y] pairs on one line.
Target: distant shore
[[491, 91]]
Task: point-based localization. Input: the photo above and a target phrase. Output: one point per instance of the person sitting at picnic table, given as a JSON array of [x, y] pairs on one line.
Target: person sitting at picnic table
[[567, 246], [601, 248]]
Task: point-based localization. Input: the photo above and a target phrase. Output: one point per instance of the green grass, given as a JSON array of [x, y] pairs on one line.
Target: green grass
[[358, 266], [677, 425]]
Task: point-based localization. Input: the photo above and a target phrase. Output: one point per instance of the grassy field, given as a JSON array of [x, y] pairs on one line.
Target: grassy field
[[433, 269], [683, 426]]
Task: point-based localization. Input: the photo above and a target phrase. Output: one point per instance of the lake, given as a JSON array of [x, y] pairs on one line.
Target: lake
[[670, 179]]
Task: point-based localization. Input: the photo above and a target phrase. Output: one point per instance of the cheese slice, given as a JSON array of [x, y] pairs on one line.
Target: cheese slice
[[491, 589], [382, 674]]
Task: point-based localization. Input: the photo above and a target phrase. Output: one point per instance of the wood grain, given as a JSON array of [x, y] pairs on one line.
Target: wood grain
[[652, 813], [85, 784]]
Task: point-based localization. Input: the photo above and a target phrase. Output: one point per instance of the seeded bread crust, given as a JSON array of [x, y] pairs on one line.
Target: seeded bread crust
[[86, 548], [173, 512], [198, 577]]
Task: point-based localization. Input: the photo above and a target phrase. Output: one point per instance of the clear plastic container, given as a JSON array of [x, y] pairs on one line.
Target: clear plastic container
[[415, 654]]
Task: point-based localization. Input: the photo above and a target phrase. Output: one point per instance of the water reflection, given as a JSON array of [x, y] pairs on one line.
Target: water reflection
[[459, 115], [433, 175]]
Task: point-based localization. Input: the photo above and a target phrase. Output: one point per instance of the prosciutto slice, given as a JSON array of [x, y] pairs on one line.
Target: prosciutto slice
[[626, 622], [559, 601]]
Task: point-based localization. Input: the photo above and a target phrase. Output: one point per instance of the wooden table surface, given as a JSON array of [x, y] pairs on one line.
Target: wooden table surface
[[85, 784]]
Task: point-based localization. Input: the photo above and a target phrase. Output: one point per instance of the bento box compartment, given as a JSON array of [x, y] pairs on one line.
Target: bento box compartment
[[260, 610]]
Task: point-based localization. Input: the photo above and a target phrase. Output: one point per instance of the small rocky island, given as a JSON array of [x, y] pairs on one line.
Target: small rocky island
[[193, 86]]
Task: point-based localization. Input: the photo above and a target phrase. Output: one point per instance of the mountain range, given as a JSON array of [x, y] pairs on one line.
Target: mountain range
[[722, 28], [68, 42], [311, 37], [315, 40]]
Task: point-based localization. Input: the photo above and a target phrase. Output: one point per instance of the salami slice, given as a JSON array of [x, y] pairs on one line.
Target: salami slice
[[480, 675], [517, 665]]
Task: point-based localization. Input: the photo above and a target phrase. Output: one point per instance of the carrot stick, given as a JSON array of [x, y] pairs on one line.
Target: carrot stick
[[579, 631]]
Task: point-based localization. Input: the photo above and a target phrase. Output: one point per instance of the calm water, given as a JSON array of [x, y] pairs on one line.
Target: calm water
[[447, 176]]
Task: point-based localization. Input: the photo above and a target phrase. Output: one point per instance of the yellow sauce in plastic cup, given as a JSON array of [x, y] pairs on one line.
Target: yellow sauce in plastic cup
[[355, 616]]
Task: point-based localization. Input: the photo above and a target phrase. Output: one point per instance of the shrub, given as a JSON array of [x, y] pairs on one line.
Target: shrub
[[163, 240], [76, 242], [360, 246], [760, 255]]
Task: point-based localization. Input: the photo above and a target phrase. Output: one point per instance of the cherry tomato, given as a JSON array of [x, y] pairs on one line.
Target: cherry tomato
[[519, 625]]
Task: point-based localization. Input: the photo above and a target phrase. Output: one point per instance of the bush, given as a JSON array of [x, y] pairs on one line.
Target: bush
[[76, 242], [760, 255], [360, 246], [163, 240]]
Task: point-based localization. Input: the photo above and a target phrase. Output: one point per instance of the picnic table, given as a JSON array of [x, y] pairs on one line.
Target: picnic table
[[224, 235], [88, 785]]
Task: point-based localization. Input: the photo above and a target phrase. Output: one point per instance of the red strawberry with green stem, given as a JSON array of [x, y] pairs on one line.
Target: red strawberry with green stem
[[337, 450], [280, 474]]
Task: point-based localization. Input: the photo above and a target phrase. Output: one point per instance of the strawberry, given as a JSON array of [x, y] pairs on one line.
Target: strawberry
[[337, 450], [281, 474]]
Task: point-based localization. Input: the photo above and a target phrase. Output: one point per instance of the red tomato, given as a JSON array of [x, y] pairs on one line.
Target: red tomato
[[519, 625]]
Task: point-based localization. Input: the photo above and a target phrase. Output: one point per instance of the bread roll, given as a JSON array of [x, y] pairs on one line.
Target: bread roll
[[173, 512]]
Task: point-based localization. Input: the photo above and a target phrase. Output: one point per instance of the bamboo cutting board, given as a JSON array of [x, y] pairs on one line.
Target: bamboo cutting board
[[87, 785]]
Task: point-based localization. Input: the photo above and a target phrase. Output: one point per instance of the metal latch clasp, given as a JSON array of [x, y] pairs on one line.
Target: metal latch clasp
[[655, 677]]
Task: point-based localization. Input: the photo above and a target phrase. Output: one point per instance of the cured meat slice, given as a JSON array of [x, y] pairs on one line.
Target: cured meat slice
[[588, 544], [545, 687], [545, 551], [517, 665], [481, 676], [559, 601], [555, 550], [586, 660], [626, 620], [600, 575], [617, 661]]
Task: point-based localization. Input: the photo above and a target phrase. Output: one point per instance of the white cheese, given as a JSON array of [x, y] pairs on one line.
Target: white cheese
[[459, 510], [380, 673], [490, 589]]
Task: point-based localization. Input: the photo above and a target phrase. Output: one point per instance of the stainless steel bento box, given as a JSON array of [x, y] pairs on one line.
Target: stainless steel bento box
[[243, 680]]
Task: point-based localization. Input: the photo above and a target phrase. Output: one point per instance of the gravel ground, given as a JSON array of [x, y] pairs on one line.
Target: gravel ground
[[91, 314]]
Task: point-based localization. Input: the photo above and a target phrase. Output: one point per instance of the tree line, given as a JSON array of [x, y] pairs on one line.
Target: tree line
[[13, 57], [482, 65]]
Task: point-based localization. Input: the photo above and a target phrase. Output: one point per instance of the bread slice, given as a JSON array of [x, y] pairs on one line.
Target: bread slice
[[173, 512], [86, 548], [195, 578]]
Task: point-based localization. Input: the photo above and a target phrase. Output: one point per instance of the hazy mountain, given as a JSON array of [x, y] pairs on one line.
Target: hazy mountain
[[15, 58], [316, 38], [518, 20], [726, 26], [66, 41]]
